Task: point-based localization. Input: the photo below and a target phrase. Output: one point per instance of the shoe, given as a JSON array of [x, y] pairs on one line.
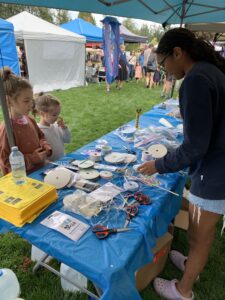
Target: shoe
[[178, 259], [167, 289]]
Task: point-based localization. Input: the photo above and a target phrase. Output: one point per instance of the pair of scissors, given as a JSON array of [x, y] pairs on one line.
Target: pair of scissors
[[129, 150], [142, 199], [132, 211], [103, 232]]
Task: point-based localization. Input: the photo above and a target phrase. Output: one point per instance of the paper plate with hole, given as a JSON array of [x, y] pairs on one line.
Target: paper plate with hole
[[59, 177], [89, 174], [85, 164], [114, 158], [157, 150]]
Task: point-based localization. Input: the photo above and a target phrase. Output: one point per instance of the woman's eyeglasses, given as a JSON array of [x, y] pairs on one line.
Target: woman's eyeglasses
[[162, 62]]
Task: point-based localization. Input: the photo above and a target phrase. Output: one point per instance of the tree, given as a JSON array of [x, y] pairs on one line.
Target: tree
[[87, 17], [130, 25], [9, 10], [62, 16]]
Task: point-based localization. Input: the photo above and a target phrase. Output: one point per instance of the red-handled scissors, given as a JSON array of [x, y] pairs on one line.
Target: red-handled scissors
[[142, 199], [132, 211], [102, 232]]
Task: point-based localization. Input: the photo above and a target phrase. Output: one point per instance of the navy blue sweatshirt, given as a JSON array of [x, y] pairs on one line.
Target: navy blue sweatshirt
[[202, 106]]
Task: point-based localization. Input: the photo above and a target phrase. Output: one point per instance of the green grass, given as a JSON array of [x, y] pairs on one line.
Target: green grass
[[90, 113]]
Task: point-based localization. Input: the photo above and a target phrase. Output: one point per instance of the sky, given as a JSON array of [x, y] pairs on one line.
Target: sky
[[99, 17]]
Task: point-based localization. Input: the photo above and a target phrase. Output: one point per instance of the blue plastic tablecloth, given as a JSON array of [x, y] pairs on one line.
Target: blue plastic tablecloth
[[110, 263]]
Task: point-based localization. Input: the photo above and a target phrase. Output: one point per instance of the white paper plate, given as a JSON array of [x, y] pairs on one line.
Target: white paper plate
[[85, 164], [89, 174], [59, 177], [157, 150]]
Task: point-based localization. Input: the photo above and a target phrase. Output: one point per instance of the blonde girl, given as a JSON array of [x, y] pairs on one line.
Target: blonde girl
[[28, 137], [55, 130]]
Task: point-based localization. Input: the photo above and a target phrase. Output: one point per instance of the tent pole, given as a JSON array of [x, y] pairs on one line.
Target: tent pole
[[5, 111]]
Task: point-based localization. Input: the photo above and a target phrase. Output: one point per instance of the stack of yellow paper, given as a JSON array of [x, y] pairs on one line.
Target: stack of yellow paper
[[20, 204]]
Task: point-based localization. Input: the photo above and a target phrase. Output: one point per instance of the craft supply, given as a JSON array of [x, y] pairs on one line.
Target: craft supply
[[131, 186], [132, 211], [116, 158], [95, 156], [89, 174], [64, 164], [106, 192], [127, 131], [105, 167], [86, 185], [165, 122], [146, 156], [58, 177], [85, 164], [106, 175], [100, 144], [142, 199], [103, 232], [106, 150], [138, 112], [65, 224], [157, 150], [129, 150]]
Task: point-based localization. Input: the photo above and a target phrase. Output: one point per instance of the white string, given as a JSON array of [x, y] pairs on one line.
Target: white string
[[222, 230]]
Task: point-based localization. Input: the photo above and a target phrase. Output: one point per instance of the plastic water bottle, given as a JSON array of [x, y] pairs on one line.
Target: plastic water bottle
[[9, 285], [18, 166], [74, 276]]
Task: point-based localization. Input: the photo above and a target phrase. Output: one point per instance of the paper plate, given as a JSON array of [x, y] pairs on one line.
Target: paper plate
[[89, 174], [85, 164], [114, 158], [106, 175], [59, 177], [157, 150]]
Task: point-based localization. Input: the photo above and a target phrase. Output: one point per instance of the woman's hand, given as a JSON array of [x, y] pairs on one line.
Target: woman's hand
[[147, 168]]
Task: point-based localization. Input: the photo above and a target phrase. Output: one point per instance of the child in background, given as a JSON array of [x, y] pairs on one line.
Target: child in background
[[28, 137], [156, 77], [138, 72], [53, 126]]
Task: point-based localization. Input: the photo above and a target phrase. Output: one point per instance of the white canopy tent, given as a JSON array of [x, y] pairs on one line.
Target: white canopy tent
[[216, 30], [55, 56]]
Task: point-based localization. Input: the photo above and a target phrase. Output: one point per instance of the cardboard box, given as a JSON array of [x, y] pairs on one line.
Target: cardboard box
[[147, 273], [182, 218]]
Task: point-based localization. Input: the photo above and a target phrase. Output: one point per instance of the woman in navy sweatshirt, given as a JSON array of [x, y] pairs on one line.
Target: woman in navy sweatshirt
[[202, 106]]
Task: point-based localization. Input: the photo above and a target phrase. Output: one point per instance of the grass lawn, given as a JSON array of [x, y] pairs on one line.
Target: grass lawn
[[92, 112]]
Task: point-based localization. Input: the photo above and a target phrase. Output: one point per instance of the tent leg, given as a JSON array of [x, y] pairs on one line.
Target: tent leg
[[5, 111]]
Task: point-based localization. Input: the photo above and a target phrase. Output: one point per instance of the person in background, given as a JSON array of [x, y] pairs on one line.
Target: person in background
[[147, 53], [151, 68], [167, 86], [132, 63], [141, 62], [28, 137], [138, 72], [202, 106], [51, 124], [156, 77], [123, 68]]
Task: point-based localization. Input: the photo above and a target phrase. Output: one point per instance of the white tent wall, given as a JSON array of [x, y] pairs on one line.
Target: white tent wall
[[55, 56], [55, 64]]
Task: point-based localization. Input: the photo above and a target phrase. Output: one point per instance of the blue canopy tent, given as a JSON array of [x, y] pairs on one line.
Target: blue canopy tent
[[8, 53], [81, 27]]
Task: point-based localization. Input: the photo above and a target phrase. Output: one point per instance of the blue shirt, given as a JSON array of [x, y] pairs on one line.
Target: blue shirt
[[202, 106]]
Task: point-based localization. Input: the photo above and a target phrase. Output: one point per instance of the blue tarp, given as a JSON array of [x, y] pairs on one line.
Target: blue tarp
[[111, 263], [90, 31], [8, 53]]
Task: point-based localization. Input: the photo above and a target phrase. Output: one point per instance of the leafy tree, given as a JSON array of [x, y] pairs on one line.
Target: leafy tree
[[87, 17], [130, 25], [62, 16]]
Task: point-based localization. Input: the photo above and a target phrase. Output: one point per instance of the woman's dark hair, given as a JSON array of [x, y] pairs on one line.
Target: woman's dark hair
[[197, 48]]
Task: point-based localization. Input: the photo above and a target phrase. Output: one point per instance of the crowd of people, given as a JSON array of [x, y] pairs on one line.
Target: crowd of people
[[133, 65]]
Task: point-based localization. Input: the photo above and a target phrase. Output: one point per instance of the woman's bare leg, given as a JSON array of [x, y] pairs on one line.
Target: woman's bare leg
[[200, 237]]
